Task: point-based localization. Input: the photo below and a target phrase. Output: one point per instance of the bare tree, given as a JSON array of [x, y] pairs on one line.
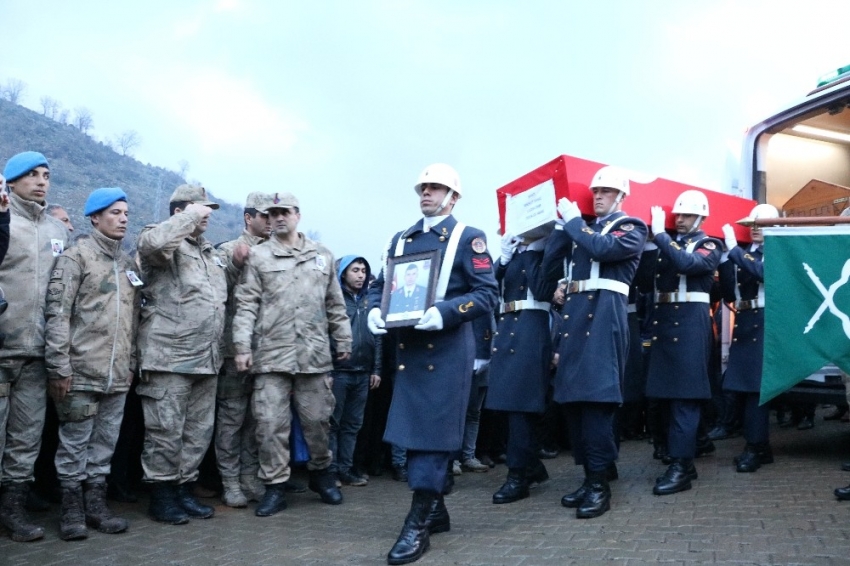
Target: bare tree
[[183, 168], [314, 235], [13, 90], [50, 107], [128, 141], [63, 116], [83, 120]]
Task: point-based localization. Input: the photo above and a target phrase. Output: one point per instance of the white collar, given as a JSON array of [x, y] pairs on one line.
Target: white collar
[[429, 222]]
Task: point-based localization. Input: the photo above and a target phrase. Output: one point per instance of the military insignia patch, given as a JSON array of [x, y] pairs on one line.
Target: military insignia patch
[[56, 274], [627, 227], [675, 246], [479, 246], [587, 230], [481, 264], [710, 246]]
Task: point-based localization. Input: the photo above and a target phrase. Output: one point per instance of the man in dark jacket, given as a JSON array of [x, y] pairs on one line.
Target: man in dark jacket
[[353, 377]]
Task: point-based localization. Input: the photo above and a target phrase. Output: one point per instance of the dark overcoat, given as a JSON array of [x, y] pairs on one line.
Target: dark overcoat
[[681, 332], [594, 340], [744, 271], [434, 368], [522, 348]]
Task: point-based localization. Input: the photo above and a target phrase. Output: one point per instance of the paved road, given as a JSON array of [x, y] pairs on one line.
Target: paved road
[[783, 514]]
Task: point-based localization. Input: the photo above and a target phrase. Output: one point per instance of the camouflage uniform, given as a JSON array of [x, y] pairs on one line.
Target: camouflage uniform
[[23, 380], [90, 336], [288, 306], [180, 345], [235, 427]]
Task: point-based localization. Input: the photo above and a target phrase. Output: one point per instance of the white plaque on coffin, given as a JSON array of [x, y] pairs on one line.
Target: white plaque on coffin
[[531, 213]]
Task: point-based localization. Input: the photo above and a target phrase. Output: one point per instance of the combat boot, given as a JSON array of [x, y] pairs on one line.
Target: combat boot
[[324, 483], [252, 487], [597, 497], [13, 516], [413, 541], [514, 488], [98, 514], [438, 520], [192, 506], [72, 522], [163, 506], [273, 501], [677, 477], [231, 494]]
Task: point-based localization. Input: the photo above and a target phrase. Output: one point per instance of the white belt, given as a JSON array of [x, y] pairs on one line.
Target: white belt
[[680, 297], [526, 304], [596, 284], [747, 305]]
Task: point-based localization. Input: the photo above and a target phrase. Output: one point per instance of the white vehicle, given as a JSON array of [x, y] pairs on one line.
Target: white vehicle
[[799, 161]]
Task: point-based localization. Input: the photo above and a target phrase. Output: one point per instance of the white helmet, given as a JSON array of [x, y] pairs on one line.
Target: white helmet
[[442, 174], [691, 202], [760, 211], [611, 177]]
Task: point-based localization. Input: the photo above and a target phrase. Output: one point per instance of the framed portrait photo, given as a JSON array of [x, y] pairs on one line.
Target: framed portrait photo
[[410, 285]]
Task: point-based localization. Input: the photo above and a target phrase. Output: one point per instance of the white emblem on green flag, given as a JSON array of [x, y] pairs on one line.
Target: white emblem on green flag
[[798, 339]]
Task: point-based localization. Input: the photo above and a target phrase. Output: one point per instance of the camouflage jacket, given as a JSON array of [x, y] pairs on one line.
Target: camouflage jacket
[[183, 300], [227, 249], [288, 305], [91, 316], [24, 275]]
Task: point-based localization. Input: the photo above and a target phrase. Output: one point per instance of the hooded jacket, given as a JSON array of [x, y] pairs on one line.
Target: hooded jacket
[[366, 348]]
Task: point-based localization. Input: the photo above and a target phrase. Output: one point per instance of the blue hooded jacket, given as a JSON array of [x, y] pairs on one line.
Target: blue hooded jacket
[[366, 347]]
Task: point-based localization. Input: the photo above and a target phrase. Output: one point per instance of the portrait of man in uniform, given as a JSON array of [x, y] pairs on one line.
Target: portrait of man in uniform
[[409, 297]]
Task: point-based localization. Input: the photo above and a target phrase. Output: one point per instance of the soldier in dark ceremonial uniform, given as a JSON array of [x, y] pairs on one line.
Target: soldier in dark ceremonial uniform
[[522, 353], [601, 260], [742, 282], [435, 357], [682, 334]]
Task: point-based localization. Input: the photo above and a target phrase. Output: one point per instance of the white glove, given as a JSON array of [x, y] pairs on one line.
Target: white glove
[[480, 365], [729, 236], [658, 219], [568, 210], [509, 246], [375, 322], [431, 320]]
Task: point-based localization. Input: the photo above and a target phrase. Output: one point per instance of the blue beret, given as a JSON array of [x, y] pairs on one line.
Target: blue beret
[[22, 163], [100, 199]]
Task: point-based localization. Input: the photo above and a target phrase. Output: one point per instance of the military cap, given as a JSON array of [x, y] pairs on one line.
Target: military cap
[[259, 201], [22, 163], [281, 200], [192, 193], [101, 199]]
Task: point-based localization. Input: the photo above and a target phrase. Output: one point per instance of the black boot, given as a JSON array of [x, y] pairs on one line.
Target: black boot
[[438, 517], [597, 498], [13, 516], [273, 501], [72, 522], [163, 505], [324, 483], [413, 540], [677, 477], [98, 514], [611, 472], [574, 499], [514, 488], [192, 506], [842, 493], [753, 457]]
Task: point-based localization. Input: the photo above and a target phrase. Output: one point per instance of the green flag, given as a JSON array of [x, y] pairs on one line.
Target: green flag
[[807, 304]]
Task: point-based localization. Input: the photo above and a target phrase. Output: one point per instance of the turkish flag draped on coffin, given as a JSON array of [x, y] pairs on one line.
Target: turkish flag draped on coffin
[[571, 177]]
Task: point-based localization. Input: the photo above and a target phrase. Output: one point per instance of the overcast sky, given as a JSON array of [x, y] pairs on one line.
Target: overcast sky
[[344, 103]]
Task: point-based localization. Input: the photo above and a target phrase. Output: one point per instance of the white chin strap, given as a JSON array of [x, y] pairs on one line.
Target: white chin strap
[[613, 206], [444, 203], [696, 225]]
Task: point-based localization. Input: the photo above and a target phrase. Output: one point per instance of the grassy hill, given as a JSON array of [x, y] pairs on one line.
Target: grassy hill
[[79, 164]]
